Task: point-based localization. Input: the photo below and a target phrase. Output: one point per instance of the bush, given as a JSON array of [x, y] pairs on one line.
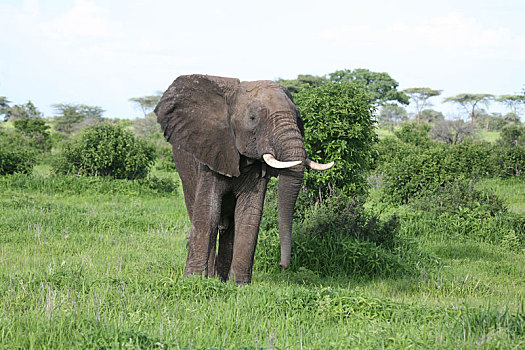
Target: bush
[[509, 161], [338, 127], [36, 132], [409, 170], [416, 170], [460, 198], [338, 238], [414, 134], [106, 150], [512, 136], [16, 161]]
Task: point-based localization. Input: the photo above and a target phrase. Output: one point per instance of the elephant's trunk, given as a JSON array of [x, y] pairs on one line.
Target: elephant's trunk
[[289, 186], [290, 182]]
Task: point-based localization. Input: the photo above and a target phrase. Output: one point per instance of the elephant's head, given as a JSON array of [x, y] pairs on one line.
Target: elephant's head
[[219, 120]]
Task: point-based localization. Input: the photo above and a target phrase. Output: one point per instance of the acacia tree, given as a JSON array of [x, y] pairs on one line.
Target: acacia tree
[[71, 115], [146, 103], [469, 102], [420, 96], [513, 102], [18, 112]]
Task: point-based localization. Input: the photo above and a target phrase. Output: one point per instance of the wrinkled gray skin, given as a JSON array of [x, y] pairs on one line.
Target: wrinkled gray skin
[[219, 129]]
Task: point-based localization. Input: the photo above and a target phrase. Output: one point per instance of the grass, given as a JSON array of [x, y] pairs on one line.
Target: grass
[[489, 136], [512, 189], [91, 263]]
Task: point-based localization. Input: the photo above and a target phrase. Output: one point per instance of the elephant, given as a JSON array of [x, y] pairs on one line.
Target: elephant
[[228, 138]]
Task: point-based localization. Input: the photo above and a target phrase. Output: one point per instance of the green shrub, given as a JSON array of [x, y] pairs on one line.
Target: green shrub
[[411, 133], [106, 150], [410, 170], [339, 238], [36, 132], [506, 230], [509, 161], [512, 135], [460, 198], [338, 127], [416, 170], [473, 159], [16, 161]]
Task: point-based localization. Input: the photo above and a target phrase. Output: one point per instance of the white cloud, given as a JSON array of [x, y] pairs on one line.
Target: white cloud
[[454, 33], [85, 18]]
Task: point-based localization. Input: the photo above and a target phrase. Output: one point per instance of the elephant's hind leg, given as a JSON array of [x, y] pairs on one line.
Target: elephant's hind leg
[[225, 254], [226, 232]]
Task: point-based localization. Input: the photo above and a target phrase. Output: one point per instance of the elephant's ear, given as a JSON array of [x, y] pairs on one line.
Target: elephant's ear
[[300, 123], [193, 114]]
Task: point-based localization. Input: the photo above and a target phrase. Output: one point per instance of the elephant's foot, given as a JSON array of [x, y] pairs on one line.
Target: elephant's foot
[[240, 279], [195, 271]]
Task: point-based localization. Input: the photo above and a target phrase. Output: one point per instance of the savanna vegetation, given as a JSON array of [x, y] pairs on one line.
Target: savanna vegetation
[[415, 239]]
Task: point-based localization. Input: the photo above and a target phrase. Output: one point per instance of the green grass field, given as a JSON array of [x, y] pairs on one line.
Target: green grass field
[[97, 264]]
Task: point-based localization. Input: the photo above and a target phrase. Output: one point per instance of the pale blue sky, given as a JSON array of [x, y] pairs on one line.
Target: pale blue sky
[[104, 52]]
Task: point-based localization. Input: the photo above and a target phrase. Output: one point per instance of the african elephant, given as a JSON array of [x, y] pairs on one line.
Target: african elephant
[[228, 138]]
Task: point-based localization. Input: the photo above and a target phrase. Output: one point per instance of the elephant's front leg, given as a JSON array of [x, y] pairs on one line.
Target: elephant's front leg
[[248, 214], [205, 219]]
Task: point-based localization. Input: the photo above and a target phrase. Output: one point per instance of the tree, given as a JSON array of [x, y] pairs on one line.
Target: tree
[[146, 103], [451, 132], [338, 127], [27, 110], [381, 87], [432, 116], [469, 102], [421, 96], [513, 102], [4, 107], [392, 114], [70, 115], [303, 80]]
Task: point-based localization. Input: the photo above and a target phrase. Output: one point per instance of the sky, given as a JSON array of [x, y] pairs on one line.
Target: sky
[[103, 52]]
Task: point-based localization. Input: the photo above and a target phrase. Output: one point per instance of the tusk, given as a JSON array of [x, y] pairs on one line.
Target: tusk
[[274, 163], [316, 166]]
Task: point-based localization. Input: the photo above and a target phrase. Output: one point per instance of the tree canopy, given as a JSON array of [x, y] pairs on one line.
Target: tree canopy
[[392, 114], [70, 115], [380, 87], [513, 102], [469, 102], [420, 96], [146, 103], [21, 111]]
